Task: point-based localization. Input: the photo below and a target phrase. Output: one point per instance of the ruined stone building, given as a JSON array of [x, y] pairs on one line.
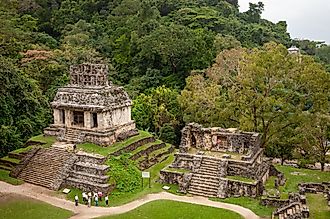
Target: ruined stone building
[[217, 162], [90, 108]]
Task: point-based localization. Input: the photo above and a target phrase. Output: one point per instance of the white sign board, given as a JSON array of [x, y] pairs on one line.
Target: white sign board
[[145, 174], [66, 191]]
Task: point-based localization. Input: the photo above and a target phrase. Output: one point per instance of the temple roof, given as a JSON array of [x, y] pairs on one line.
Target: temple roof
[[89, 89]]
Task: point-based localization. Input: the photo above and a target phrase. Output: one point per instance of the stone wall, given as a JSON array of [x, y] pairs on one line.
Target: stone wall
[[272, 202], [169, 177], [148, 150], [237, 188], [313, 187], [255, 169], [219, 139], [24, 162], [147, 163], [184, 161], [134, 145]]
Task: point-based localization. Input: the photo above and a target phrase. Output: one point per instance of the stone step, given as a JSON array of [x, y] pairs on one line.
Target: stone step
[[208, 171], [46, 168], [205, 176], [95, 169], [87, 185], [2, 167], [208, 174], [205, 185], [206, 160], [201, 182], [89, 177], [211, 167]]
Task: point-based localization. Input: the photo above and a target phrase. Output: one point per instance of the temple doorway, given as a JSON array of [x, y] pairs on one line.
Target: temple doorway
[[78, 118], [193, 141], [94, 120], [62, 116]]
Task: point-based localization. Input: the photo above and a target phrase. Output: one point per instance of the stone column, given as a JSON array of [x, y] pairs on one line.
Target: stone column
[[100, 120], [56, 115], [87, 120], [68, 118]]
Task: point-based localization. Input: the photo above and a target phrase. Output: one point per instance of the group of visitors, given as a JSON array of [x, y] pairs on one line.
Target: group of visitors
[[89, 197]]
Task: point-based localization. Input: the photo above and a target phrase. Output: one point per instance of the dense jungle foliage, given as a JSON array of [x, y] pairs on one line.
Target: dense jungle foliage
[[158, 49]]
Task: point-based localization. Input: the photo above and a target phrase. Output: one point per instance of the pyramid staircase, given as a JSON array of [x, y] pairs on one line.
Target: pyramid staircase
[[205, 182], [71, 135], [48, 168], [89, 173]]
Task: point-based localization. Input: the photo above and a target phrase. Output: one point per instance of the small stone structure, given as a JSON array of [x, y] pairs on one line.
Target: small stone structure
[[91, 108], [218, 163]]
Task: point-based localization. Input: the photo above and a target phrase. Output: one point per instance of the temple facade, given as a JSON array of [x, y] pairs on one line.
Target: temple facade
[[91, 109], [218, 162]]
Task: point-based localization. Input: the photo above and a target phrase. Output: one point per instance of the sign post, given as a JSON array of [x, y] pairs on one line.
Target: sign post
[[146, 175]]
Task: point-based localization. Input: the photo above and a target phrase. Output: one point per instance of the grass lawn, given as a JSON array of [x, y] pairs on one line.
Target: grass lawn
[[165, 209], [20, 150], [305, 175], [250, 203], [4, 176], [12, 160], [46, 140], [318, 206], [93, 148], [20, 207]]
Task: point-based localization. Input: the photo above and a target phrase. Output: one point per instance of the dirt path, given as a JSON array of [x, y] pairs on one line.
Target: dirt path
[[83, 212]]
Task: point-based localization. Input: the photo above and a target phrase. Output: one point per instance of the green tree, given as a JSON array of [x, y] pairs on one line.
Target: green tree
[[315, 134], [262, 90], [157, 109], [23, 108]]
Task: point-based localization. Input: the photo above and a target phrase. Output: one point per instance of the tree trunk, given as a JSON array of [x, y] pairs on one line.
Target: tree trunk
[[322, 166]]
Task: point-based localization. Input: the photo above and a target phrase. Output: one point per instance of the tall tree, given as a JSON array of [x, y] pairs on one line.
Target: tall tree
[[262, 90]]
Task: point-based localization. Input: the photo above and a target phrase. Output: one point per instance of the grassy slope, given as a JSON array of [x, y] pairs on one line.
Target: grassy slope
[[318, 206], [92, 148], [25, 208], [4, 176], [170, 209], [47, 140]]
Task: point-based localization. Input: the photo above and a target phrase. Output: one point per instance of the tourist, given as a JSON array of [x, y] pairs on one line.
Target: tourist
[[76, 200], [96, 201], [89, 194], [89, 201], [100, 194], [84, 196], [106, 200]]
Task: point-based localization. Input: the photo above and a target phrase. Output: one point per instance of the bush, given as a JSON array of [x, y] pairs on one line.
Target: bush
[[124, 173]]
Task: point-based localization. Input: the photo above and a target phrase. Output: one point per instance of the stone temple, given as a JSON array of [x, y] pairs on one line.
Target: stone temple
[[91, 109], [217, 162]]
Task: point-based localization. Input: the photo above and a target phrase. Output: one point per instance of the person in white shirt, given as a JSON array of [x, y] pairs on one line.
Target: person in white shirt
[[89, 202], [76, 200], [106, 200], [84, 196]]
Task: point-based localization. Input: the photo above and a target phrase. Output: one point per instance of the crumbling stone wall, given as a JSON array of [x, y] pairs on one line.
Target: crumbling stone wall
[[184, 161], [237, 188], [219, 139], [170, 177]]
